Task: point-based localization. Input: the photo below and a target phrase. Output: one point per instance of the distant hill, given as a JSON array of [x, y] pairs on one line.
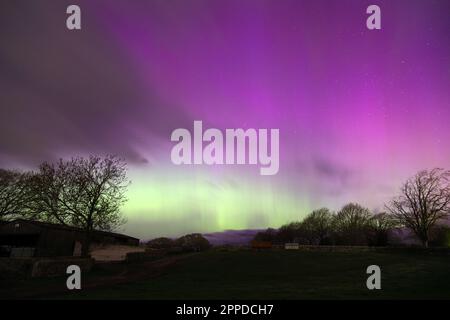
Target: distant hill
[[231, 237]]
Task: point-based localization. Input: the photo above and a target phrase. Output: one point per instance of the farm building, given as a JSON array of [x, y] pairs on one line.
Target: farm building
[[29, 238]]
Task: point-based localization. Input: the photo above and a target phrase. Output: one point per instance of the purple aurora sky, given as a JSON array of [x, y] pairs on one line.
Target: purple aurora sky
[[358, 111]]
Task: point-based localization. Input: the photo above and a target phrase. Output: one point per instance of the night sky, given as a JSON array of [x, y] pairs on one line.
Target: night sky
[[359, 111]]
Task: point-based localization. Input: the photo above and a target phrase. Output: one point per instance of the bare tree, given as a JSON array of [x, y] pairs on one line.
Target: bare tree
[[289, 232], [13, 194], [380, 225], [48, 189], [351, 225], [316, 226], [86, 193], [424, 200]]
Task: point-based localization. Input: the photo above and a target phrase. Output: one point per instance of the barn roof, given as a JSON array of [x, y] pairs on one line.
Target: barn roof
[[68, 228]]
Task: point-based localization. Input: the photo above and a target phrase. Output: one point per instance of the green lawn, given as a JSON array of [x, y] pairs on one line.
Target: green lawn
[[289, 275]]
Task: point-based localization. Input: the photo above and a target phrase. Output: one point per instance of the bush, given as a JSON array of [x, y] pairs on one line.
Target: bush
[[440, 236], [193, 242], [161, 243], [267, 235], [289, 233]]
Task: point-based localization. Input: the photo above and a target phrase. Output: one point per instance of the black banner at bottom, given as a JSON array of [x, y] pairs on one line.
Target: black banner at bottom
[[229, 309]]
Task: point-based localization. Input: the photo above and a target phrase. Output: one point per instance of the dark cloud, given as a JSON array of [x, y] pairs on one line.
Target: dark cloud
[[334, 178], [332, 170], [69, 92]]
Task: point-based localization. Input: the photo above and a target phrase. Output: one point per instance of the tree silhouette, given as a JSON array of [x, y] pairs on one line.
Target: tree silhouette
[[81, 192], [424, 200], [193, 242], [48, 188], [317, 226], [351, 224], [14, 195], [379, 225]]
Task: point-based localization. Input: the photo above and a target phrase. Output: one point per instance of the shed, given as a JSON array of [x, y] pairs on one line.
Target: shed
[[41, 239]]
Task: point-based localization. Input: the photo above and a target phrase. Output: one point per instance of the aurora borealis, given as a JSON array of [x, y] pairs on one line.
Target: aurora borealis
[[359, 111]]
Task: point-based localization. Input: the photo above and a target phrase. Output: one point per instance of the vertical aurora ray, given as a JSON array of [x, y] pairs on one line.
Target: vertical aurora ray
[[203, 202]]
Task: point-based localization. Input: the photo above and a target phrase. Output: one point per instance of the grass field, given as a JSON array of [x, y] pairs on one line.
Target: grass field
[[286, 275]]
